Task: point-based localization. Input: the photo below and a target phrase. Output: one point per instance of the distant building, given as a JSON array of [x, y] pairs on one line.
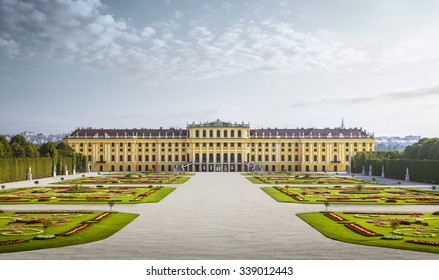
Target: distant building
[[39, 138], [394, 143], [220, 147]]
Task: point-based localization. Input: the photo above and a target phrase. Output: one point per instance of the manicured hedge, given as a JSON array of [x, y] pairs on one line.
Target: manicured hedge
[[15, 169], [426, 171]]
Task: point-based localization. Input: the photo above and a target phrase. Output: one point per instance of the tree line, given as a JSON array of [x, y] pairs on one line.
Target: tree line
[[421, 158], [17, 155]]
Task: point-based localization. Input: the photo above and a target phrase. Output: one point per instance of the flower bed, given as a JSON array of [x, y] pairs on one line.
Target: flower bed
[[75, 230], [382, 213], [9, 242], [53, 212], [424, 242], [361, 230], [335, 217], [101, 216]]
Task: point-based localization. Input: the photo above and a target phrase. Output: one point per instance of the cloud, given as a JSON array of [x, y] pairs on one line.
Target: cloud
[[9, 47], [80, 32], [385, 97]]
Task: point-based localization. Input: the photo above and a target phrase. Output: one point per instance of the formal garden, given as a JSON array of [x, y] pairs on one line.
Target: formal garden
[[301, 178], [78, 194], [401, 230], [132, 178], [357, 194], [42, 229]]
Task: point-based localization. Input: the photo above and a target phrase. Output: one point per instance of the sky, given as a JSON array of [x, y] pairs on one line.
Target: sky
[[66, 64]]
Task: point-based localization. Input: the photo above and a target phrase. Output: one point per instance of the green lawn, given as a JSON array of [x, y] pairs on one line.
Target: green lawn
[[422, 226], [26, 227], [301, 179], [349, 195], [84, 195]]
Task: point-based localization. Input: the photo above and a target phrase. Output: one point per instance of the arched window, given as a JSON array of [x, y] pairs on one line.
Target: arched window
[[232, 157], [218, 133], [218, 157], [197, 157], [211, 157], [225, 133], [232, 133], [197, 133], [225, 158], [239, 158], [204, 157], [204, 133], [211, 133], [239, 134]]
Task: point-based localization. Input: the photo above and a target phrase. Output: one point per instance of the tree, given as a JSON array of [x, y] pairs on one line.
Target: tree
[[64, 149], [359, 187], [49, 150], [17, 150], [19, 139], [5, 148], [31, 150], [111, 203], [46, 224], [394, 224]]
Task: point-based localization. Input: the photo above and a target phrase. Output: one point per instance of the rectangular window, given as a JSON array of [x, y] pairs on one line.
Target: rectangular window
[[347, 157], [315, 157], [112, 157], [140, 158], [289, 158], [273, 158], [89, 158], [266, 157], [323, 158], [307, 158], [282, 158], [169, 157], [296, 158], [121, 158], [129, 157], [253, 157], [146, 157], [176, 157], [183, 158], [153, 157], [163, 158]]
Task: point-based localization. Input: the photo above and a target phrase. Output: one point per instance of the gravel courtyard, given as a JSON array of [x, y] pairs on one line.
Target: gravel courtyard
[[219, 216]]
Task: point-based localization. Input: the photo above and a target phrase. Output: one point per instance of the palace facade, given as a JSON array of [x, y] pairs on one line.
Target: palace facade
[[220, 147]]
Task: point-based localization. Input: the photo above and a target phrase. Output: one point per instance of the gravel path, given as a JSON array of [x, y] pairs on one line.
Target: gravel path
[[219, 216]]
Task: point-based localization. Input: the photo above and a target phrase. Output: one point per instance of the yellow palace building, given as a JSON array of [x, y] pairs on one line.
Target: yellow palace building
[[220, 147]]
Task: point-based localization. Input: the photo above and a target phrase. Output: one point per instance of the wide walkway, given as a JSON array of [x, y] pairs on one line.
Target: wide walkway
[[219, 216]]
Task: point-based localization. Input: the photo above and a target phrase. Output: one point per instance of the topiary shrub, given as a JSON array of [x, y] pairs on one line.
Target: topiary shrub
[[391, 200]]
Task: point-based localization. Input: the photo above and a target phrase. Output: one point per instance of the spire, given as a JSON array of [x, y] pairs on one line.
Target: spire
[[342, 123]]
